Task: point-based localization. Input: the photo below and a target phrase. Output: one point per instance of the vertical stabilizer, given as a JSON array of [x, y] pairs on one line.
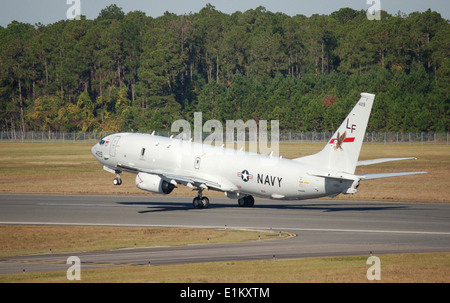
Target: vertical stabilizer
[[342, 150]]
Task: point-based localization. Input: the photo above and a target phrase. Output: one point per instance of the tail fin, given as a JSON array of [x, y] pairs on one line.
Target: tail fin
[[342, 151]]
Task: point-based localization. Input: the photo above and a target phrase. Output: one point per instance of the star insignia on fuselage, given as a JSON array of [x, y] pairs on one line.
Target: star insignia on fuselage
[[245, 175]]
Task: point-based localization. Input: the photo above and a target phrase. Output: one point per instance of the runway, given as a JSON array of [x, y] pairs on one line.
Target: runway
[[322, 228]]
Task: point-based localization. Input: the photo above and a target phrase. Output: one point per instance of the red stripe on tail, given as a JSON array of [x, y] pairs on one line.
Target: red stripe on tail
[[345, 140]]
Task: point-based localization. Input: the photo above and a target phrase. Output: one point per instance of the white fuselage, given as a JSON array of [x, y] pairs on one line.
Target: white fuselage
[[237, 173]]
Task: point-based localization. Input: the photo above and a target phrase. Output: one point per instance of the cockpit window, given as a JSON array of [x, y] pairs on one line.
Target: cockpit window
[[102, 142]]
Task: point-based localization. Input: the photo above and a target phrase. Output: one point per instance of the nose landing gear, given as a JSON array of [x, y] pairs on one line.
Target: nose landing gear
[[117, 180]]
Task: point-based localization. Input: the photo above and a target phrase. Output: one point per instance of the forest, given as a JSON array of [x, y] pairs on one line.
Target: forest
[[132, 72]]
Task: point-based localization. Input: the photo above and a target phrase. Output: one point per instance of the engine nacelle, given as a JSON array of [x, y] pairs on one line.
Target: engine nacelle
[[153, 183]]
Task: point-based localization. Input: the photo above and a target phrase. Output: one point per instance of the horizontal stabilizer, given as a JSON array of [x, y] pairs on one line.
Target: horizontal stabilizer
[[388, 175], [381, 160]]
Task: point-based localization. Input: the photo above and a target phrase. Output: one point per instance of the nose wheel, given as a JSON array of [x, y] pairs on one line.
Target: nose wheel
[[117, 180]]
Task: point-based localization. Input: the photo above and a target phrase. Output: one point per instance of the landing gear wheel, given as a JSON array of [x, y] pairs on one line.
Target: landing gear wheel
[[250, 201], [247, 201], [241, 202], [205, 202], [117, 181], [200, 203], [196, 202]]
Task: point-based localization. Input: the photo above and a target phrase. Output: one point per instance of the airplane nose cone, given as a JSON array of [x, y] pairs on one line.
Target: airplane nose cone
[[94, 150]]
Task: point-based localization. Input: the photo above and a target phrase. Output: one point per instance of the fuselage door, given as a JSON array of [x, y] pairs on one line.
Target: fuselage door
[[112, 151]]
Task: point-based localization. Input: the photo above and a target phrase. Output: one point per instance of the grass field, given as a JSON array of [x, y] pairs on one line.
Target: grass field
[[71, 169], [404, 268], [18, 240]]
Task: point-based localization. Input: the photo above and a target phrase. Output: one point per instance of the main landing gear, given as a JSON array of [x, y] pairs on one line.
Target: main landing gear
[[200, 202], [247, 201]]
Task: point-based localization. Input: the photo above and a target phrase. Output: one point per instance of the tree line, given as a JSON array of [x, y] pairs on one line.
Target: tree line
[[132, 72]]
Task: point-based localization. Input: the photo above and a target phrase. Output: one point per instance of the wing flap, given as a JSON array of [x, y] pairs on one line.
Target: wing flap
[[194, 180]]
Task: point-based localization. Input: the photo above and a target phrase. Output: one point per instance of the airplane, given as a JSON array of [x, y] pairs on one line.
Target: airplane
[[161, 163]]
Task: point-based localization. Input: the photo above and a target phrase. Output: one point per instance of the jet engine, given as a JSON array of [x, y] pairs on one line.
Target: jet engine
[[153, 183]]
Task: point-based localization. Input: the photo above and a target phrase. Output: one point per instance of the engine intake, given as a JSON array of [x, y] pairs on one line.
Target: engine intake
[[153, 183]]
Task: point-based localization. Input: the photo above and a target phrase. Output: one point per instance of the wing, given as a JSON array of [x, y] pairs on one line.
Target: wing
[[185, 178], [388, 175], [381, 160]]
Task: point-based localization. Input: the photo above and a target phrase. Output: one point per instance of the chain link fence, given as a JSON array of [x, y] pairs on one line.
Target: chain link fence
[[370, 137], [284, 136]]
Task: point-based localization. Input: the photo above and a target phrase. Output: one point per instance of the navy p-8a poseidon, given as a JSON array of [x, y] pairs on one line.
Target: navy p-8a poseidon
[[161, 163]]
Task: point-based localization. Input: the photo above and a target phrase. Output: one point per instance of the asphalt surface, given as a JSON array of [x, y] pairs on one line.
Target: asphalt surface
[[322, 228]]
